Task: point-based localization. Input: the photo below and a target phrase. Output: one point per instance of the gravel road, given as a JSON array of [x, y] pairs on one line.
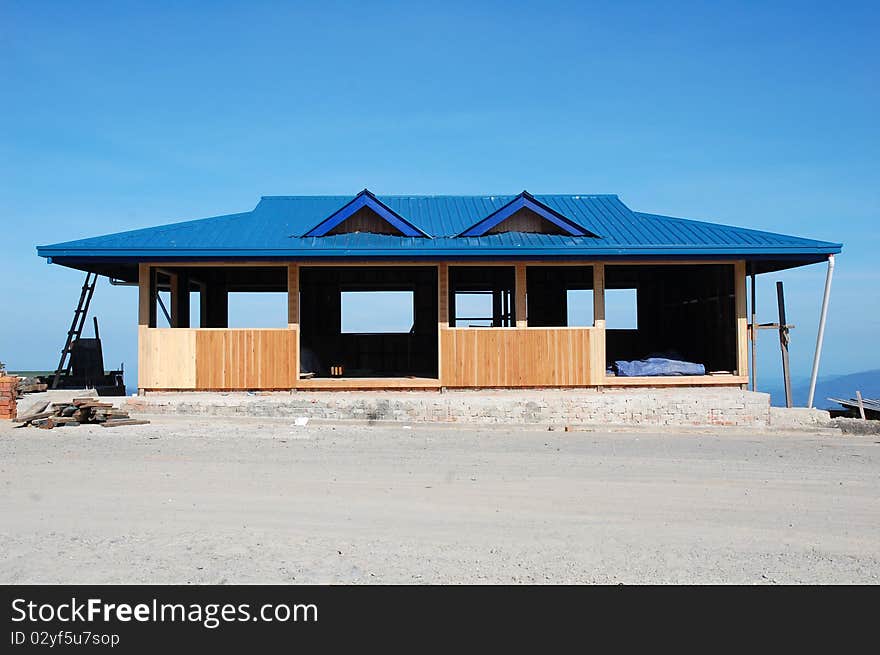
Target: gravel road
[[264, 501]]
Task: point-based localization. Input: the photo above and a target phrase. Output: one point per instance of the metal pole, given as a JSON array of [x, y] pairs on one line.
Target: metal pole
[[783, 343], [821, 335], [754, 335]]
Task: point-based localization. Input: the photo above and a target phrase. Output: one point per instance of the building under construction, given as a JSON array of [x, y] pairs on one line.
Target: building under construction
[[492, 281]]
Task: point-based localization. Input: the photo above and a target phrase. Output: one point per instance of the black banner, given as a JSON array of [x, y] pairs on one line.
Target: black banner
[[146, 618]]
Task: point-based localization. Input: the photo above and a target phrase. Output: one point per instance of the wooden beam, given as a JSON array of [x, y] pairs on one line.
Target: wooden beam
[[519, 303], [742, 320]]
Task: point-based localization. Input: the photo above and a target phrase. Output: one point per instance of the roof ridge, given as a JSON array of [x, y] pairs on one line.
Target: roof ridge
[[451, 195]]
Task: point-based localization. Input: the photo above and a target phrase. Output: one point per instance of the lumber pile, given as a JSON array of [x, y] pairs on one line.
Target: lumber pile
[[866, 408], [31, 385], [8, 395], [79, 411]]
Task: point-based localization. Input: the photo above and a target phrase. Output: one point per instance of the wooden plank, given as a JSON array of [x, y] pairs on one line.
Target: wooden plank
[[246, 359], [678, 381], [861, 404], [742, 345], [368, 383], [514, 357], [166, 358]]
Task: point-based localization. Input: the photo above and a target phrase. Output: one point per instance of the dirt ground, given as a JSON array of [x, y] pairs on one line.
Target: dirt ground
[[188, 500]]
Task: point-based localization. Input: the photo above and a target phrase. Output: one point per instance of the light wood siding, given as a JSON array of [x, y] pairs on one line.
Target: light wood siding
[[510, 357], [166, 358], [246, 359]]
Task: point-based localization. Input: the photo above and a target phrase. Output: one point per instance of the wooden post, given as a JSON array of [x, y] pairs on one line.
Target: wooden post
[[861, 404], [783, 343], [519, 303], [598, 353], [442, 314], [146, 296], [753, 333], [293, 296], [293, 316], [742, 347], [179, 299], [599, 296]]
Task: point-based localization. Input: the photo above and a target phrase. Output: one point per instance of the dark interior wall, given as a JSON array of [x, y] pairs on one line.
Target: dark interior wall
[[688, 311], [499, 280], [387, 355], [546, 296]]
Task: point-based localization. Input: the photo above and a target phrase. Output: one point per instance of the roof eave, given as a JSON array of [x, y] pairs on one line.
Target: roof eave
[[470, 251]]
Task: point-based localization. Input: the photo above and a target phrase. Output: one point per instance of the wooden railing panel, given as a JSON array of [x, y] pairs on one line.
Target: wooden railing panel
[[499, 357], [246, 359], [166, 358]]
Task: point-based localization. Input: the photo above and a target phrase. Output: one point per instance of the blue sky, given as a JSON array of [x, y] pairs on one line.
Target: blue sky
[[131, 114]]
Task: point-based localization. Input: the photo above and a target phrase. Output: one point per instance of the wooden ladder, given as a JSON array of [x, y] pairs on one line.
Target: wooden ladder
[[76, 327]]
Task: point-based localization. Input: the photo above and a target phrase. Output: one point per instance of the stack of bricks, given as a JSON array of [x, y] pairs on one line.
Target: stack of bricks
[[7, 396]]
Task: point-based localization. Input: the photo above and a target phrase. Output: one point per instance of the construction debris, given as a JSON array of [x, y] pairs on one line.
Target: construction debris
[[79, 411], [8, 395], [867, 408], [31, 385]]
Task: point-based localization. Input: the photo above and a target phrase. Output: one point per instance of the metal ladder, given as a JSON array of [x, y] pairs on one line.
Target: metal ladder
[[76, 327]]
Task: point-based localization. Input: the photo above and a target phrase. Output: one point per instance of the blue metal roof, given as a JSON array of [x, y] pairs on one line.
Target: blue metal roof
[[274, 229]]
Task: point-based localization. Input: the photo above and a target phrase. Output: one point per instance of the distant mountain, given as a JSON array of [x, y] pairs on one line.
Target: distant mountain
[[838, 386]]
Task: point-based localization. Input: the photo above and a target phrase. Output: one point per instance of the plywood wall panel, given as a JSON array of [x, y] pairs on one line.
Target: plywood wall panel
[[498, 357], [246, 359], [166, 358]]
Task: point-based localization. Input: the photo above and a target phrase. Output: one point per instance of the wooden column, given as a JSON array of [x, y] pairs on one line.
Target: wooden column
[[599, 296], [179, 299], [742, 346], [293, 296], [597, 352], [293, 316], [519, 303], [146, 296], [442, 313], [442, 295]]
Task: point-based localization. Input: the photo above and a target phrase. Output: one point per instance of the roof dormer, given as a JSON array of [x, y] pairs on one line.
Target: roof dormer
[[366, 213], [526, 214]]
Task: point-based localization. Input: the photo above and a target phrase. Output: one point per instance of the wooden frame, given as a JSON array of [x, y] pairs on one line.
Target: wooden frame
[[175, 358]]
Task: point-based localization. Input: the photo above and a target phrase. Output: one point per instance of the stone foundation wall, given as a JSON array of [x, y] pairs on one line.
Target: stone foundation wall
[[643, 407]]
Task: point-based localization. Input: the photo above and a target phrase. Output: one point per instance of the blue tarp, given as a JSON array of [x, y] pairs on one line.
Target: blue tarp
[[653, 366]]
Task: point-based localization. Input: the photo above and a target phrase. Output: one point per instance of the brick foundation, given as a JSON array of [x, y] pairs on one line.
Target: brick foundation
[[643, 407]]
